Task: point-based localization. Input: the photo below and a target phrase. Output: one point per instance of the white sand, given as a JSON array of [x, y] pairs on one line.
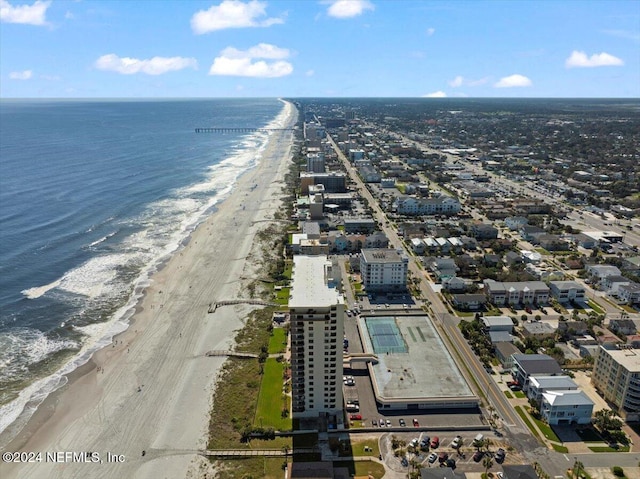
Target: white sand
[[163, 352]]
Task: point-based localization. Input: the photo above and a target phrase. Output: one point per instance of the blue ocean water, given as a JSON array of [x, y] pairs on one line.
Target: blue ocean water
[[94, 195]]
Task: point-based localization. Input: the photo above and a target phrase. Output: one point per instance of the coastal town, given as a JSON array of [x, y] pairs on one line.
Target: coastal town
[[471, 305]]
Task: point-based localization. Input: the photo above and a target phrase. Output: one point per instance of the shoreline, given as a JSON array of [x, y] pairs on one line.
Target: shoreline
[[151, 389]]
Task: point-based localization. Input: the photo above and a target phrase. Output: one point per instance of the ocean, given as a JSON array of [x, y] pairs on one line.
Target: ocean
[[94, 196]]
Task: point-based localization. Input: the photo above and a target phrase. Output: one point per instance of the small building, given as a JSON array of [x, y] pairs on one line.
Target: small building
[[600, 271], [623, 326], [566, 407], [538, 330], [498, 323], [468, 302], [504, 352], [542, 384], [501, 337], [522, 292], [567, 291], [527, 365], [383, 270], [629, 293]]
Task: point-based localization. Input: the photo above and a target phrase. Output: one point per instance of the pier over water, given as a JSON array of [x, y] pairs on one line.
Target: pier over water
[[239, 130]]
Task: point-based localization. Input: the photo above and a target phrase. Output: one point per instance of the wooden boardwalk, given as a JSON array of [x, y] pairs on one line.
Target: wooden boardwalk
[[232, 354], [215, 305]]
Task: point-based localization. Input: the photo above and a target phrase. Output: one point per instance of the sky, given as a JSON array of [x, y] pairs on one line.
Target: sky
[[319, 48]]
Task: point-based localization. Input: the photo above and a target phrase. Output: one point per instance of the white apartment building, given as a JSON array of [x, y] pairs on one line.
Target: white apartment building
[[616, 375], [409, 205], [383, 270], [317, 331]]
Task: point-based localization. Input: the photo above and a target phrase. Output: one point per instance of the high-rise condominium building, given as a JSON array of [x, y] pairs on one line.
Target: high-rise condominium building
[[317, 332]]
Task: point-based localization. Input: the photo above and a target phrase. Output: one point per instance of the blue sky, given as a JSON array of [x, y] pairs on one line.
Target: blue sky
[[295, 48]]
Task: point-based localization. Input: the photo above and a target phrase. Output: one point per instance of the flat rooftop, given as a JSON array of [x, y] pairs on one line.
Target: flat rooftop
[[414, 366], [313, 283]]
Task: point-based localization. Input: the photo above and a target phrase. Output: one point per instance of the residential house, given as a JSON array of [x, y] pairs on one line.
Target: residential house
[[514, 223], [584, 241], [497, 323], [623, 326], [491, 260], [418, 245], [538, 330], [484, 231], [566, 407], [527, 365], [504, 352], [542, 384], [629, 293], [531, 232], [522, 292], [552, 242], [501, 337], [606, 337], [573, 328], [598, 272], [442, 268], [468, 302], [455, 284], [612, 283], [512, 258], [567, 291]]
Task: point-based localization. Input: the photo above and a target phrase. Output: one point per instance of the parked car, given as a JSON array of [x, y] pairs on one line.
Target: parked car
[[500, 456], [404, 462], [356, 417], [402, 423], [456, 442], [435, 442], [374, 422], [415, 422], [451, 462], [388, 423], [433, 457], [381, 422], [425, 441], [442, 457], [477, 456]]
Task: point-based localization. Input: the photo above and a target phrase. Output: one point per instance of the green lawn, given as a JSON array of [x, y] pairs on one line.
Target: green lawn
[[282, 296], [609, 449], [595, 306], [519, 394], [271, 400], [357, 447], [362, 468], [546, 430], [525, 417], [560, 449], [278, 341], [508, 394]]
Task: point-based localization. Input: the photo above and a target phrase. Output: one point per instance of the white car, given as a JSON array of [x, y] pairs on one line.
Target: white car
[[456, 442]]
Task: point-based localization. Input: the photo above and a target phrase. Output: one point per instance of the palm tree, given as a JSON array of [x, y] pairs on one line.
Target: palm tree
[[487, 463]]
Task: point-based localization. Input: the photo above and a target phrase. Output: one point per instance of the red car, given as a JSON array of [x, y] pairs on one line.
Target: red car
[[435, 442], [356, 417], [415, 423]]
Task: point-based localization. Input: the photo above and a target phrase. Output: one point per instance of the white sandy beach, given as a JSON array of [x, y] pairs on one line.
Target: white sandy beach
[[162, 353]]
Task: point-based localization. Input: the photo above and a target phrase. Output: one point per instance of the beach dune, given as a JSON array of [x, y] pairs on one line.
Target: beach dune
[[151, 390]]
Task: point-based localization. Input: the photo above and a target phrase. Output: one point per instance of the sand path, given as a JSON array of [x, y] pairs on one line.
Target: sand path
[[152, 389]]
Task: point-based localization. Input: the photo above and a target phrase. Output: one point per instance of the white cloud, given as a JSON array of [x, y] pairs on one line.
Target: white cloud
[[513, 81], [460, 81], [234, 62], [262, 50], [232, 14], [348, 8], [580, 60], [456, 82], [154, 66], [310, 73], [430, 31], [23, 75], [25, 14], [435, 94]]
